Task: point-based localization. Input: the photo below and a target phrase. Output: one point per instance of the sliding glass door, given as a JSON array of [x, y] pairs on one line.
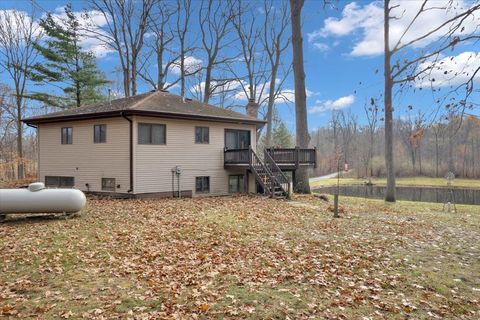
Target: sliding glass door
[[237, 139]]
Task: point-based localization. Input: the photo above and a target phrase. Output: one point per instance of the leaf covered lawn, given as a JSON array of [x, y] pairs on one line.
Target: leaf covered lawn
[[243, 257]]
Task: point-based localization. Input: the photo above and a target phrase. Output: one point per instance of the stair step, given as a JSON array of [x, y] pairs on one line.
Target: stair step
[[272, 182]]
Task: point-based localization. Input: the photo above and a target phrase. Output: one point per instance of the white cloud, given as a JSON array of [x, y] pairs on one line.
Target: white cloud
[[192, 64], [368, 20], [450, 71], [19, 22], [340, 103], [321, 46]]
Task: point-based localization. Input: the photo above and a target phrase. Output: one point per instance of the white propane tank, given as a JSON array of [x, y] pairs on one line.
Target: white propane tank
[[37, 199]]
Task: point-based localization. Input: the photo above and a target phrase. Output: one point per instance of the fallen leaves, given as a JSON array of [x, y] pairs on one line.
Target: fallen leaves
[[240, 257], [8, 310]]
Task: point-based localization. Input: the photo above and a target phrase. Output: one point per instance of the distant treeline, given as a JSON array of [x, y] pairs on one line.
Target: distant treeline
[[421, 148]]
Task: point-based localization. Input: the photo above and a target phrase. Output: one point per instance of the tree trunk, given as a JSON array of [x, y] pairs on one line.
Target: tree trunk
[[451, 162], [182, 69], [412, 158], [302, 180], [208, 82], [436, 155], [370, 153], [389, 163], [20, 166], [134, 76], [271, 102], [420, 160], [160, 75], [126, 82], [77, 82]]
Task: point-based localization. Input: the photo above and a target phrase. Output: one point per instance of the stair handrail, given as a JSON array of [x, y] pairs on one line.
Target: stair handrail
[[278, 173], [255, 160]]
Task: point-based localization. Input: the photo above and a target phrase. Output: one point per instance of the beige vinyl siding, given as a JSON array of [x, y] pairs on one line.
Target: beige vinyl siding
[[84, 160], [153, 163]]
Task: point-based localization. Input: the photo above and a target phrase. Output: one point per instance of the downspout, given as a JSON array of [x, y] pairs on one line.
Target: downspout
[[131, 150]]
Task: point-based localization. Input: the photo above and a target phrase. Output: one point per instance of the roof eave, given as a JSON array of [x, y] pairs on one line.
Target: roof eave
[[117, 113]]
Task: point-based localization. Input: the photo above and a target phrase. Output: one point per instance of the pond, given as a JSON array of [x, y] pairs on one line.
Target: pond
[[409, 193]]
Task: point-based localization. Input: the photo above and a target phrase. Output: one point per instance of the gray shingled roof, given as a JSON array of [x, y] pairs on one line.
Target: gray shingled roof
[[156, 103]]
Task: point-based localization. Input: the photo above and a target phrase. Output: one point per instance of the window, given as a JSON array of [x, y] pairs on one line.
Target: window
[[67, 135], [100, 133], [236, 183], [237, 139], [202, 135], [202, 184], [59, 182], [150, 133], [108, 184]]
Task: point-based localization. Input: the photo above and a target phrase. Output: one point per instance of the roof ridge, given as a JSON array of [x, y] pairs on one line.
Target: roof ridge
[[148, 97]]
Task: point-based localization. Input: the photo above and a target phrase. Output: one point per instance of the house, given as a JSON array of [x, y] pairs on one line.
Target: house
[[155, 144]]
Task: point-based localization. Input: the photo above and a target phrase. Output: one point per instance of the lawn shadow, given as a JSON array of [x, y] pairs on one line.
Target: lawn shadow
[[16, 219]]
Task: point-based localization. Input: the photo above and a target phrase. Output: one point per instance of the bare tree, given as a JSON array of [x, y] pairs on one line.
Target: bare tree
[[249, 33], [215, 24], [348, 125], [18, 33], [8, 116], [275, 42], [439, 132], [302, 136], [371, 112], [411, 131], [127, 23], [184, 13], [334, 126], [415, 67], [160, 47]]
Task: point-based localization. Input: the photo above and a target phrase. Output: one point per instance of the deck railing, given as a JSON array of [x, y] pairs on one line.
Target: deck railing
[[282, 156], [297, 156], [237, 156]]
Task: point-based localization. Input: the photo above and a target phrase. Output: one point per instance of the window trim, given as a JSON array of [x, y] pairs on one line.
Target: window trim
[[151, 137], [208, 135], [100, 133], [103, 187], [64, 139], [202, 191]]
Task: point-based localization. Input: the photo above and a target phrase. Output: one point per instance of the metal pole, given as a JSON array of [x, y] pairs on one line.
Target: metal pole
[[335, 196], [335, 206]]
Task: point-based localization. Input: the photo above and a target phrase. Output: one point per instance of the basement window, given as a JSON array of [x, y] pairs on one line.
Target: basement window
[[202, 184], [108, 184], [59, 182]]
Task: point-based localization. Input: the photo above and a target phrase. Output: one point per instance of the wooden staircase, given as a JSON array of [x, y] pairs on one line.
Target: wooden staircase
[[273, 181]]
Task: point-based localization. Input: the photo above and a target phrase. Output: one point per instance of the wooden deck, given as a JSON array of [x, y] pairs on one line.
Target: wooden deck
[[286, 158]]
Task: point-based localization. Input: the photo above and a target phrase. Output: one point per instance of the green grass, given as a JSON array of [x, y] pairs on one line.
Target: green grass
[[409, 181]]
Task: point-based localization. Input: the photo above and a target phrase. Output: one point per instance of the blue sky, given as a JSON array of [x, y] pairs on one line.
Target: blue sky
[[342, 53]]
